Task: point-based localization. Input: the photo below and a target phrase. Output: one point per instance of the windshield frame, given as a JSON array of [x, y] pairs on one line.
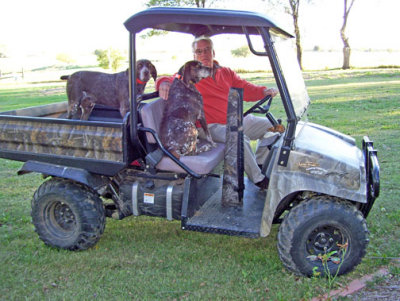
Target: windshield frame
[[285, 50], [212, 22]]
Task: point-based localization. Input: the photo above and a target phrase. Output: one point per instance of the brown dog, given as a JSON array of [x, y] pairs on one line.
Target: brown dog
[[87, 88], [184, 108]]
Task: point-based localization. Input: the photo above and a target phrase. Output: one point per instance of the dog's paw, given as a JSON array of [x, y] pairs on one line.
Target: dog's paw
[[210, 141], [205, 146], [279, 128]]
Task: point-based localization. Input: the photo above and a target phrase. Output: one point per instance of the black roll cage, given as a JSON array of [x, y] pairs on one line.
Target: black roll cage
[[211, 22]]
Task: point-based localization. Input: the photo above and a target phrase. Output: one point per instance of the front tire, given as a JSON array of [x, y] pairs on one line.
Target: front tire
[[67, 215], [320, 226]]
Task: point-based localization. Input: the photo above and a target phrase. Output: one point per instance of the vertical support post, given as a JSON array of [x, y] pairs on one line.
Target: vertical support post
[[233, 181], [286, 100], [132, 87]]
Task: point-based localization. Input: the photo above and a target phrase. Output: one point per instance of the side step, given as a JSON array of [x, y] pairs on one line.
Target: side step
[[244, 220]]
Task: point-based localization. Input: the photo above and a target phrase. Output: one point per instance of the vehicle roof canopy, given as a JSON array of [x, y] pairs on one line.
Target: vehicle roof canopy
[[200, 21]]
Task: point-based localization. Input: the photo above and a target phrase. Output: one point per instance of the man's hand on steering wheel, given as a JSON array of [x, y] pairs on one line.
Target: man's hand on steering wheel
[[271, 91], [258, 107]]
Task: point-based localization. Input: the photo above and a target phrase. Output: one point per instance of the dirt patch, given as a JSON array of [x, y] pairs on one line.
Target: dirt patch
[[386, 289], [381, 285]]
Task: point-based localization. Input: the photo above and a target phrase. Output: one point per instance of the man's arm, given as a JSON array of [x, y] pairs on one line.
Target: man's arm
[[163, 84], [251, 92]]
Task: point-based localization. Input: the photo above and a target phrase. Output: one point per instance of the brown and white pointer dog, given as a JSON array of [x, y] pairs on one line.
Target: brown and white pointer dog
[[183, 109], [87, 88]]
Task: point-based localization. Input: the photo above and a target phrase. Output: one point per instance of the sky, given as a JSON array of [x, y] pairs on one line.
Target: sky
[[30, 27]]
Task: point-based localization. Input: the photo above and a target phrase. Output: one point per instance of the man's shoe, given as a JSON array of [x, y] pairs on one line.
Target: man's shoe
[[263, 184]]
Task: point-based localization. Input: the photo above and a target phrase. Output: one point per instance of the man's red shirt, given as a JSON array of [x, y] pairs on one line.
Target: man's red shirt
[[215, 92]]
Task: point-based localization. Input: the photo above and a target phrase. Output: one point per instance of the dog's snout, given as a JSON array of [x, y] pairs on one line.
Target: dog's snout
[[144, 74], [205, 72]]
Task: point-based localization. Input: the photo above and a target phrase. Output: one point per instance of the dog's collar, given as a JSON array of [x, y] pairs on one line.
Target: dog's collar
[[138, 81]]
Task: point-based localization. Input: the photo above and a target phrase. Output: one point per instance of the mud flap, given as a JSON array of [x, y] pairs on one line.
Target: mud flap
[[233, 181]]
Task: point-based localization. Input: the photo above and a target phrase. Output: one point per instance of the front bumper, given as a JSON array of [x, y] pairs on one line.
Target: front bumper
[[372, 174]]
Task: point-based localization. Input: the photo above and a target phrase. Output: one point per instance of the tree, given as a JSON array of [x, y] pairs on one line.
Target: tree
[[292, 8], [198, 3], [109, 58], [168, 3], [294, 12], [65, 58], [241, 51], [348, 4], [102, 58], [3, 51]]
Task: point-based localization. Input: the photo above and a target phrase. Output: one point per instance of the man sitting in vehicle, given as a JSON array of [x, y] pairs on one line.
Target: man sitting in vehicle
[[215, 91]]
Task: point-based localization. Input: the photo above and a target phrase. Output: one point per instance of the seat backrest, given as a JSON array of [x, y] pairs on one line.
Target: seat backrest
[[152, 113], [202, 163]]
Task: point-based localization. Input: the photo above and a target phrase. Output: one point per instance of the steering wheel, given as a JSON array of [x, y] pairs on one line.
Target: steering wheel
[[259, 108]]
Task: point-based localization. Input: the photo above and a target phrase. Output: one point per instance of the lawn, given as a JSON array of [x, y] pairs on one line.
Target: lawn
[[143, 258]]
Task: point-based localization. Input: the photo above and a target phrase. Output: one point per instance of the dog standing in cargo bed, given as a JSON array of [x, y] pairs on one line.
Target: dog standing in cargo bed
[[183, 109], [87, 88]]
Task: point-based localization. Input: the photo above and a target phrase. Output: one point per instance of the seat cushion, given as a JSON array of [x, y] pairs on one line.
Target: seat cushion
[[151, 115], [202, 163]]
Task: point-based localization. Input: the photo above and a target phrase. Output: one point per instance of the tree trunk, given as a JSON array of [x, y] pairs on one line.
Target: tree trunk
[[294, 6], [345, 39], [200, 3], [346, 57], [298, 43]]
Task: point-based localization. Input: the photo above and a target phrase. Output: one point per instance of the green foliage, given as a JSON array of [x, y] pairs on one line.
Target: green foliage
[[3, 51], [170, 3], [65, 58], [197, 3], [109, 58], [153, 33], [241, 51]]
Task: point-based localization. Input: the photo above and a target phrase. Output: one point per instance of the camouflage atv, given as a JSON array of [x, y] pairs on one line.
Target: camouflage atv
[[321, 185]]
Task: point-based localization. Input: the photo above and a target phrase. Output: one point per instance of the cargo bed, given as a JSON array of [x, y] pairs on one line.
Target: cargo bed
[[43, 134]]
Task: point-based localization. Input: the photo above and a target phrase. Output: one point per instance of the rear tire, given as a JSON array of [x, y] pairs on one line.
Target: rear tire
[[316, 227], [67, 215]]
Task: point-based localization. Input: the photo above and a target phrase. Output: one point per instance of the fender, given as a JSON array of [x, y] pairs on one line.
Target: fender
[[322, 161], [96, 182]]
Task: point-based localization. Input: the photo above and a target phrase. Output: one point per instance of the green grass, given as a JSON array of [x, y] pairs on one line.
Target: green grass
[[14, 97], [145, 258]]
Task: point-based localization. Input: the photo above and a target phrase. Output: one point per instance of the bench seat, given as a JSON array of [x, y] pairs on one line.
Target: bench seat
[[202, 163]]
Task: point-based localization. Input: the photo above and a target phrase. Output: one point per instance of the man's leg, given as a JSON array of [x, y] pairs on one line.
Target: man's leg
[[255, 128]]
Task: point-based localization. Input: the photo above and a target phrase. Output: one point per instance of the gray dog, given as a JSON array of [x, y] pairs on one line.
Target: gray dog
[[178, 130], [87, 88]]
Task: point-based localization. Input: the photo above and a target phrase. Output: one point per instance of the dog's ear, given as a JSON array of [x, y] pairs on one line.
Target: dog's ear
[[181, 70], [184, 72], [138, 67], [153, 71]]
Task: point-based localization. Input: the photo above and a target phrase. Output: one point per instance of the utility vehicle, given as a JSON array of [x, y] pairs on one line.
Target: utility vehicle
[[321, 185]]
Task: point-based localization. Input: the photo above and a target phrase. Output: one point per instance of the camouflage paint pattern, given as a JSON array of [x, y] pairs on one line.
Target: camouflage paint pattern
[[322, 161], [230, 195], [61, 137]]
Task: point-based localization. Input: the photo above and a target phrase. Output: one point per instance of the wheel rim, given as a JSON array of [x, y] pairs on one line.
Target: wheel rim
[[323, 240], [60, 219]]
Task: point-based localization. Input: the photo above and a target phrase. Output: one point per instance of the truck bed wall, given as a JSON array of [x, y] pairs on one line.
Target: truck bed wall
[[43, 134]]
